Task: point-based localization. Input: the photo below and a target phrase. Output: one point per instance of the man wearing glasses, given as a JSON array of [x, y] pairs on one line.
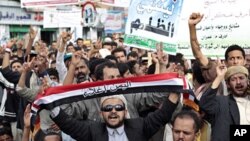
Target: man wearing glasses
[[116, 126]]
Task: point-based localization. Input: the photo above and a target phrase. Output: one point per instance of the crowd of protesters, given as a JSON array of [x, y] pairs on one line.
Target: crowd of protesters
[[220, 91]]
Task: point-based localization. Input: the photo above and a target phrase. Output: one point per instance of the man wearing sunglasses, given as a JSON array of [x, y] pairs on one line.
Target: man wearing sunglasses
[[116, 126]]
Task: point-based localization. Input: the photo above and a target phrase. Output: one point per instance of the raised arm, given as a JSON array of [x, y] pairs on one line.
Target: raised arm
[[194, 19], [77, 129], [162, 59], [221, 70], [208, 101], [156, 62], [26, 128], [27, 66], [21, 89], [60, 66], [76, 58], [154, 121], [7, 54], [32, 36]]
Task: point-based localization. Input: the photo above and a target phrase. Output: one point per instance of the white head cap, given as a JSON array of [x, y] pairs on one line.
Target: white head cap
[[121, 97]]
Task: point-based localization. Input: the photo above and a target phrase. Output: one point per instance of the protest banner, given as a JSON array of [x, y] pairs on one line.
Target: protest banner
[[150, 22], [38, 3], [4, 35], [114, 22], [62, 18], [224, 23], [116, 3]]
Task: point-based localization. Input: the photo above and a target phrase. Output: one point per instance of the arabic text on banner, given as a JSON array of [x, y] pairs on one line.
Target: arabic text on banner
[[55, 19], [224, 23], [116, 3], [150, 22], [114, 22], [38, 3]]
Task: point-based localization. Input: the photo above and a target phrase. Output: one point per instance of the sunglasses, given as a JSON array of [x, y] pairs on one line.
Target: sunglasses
[[109, 108]]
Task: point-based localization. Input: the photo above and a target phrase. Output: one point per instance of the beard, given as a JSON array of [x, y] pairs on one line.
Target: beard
[[239, 93], [81, 77], [119, 124]]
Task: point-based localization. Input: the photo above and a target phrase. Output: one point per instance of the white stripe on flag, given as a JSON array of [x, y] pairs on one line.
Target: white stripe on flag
[[71, 93]]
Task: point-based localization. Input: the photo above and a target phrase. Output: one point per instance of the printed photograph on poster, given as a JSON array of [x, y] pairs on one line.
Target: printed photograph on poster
[[89, 14], [54, 18]]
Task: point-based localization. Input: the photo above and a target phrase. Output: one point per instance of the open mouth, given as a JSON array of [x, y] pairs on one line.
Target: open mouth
[[239, 88], [81, 78], [113, 117]]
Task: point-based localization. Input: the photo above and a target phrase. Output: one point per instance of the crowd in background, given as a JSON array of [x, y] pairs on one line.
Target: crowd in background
[[28, 70]]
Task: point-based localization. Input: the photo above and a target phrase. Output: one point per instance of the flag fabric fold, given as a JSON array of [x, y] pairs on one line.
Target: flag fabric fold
[[56, 96]]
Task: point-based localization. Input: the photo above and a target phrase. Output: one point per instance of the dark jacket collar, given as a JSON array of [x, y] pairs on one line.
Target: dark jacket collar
[[233, 109]]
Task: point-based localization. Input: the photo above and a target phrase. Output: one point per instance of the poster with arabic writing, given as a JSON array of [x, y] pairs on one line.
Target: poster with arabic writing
[[225, 22], [152, 21], [116, 3], [38, 3], [4, 35], [114, 22], [54, 18]]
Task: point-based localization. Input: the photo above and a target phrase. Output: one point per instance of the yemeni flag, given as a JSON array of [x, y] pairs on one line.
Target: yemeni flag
[[55, 96]]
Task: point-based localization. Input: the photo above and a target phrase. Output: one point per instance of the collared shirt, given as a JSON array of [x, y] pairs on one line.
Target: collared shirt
[[117, 134], [243, 104]]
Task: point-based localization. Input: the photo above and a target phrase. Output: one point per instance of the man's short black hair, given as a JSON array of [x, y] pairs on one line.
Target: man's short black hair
[[119, 49], [53, 62], [85, 61], [123, 68], [79, 39], [178, 58], [40, 135], [69, 44], [53, 71], [52, 53], [5, 128], [189, 114], [133, 54], [99, 69], [111, 57], [131, 65], [197, 73], [232, 48], [113, 44], [54, 134], [16, 61], [94, 62]]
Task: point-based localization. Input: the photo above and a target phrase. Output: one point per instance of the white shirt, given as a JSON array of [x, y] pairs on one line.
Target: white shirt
[[243, 104], [117, 134], [60, 66]]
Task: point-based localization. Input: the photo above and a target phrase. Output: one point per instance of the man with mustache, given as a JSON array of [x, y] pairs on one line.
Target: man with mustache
[[78, 69], [227, 110], [186, 126], [116, 126]]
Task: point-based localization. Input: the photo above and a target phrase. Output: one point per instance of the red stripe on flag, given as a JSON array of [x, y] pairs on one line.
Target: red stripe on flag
[[186, 96], [148, 78], [184, 83]]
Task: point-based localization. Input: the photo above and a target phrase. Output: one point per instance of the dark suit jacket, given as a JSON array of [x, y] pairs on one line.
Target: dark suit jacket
[[138, 129], [223, 111]]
